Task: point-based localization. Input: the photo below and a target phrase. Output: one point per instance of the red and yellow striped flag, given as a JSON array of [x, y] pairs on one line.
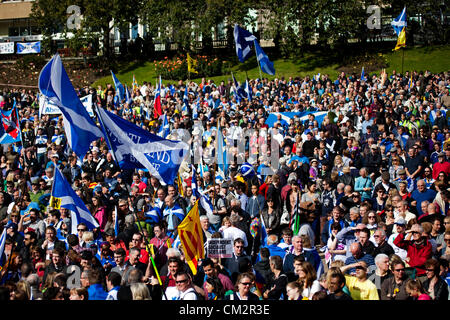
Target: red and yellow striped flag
[[191, 237]]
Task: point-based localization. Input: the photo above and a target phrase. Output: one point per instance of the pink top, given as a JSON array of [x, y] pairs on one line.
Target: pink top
[[424, 296]]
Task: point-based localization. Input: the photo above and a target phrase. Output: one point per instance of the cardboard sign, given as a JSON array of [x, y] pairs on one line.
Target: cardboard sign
[[220, 248]]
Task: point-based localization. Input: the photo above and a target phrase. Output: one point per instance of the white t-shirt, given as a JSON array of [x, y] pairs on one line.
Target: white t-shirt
[[235, 233], [173, 293]]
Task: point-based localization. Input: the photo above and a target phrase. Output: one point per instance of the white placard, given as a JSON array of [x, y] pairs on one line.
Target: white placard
[[6, 47], [220, 248]]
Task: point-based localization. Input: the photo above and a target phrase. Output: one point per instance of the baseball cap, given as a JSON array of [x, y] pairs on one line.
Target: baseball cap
[[403, 171], [400, 221], [441, 154]]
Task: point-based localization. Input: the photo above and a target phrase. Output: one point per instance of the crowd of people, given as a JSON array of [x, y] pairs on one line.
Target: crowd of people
[[356, 208]]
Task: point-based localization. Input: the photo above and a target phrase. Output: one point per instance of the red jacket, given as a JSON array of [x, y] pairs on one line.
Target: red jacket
[[417, 254], [439, 167]]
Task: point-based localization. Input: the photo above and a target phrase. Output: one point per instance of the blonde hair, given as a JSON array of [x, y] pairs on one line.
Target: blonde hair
[[88, 236], [140, 291]]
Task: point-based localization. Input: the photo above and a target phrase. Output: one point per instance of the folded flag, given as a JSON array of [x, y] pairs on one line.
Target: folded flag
[[63, 196], [80, 129], [2, 247], [10, 128], [136, 148]]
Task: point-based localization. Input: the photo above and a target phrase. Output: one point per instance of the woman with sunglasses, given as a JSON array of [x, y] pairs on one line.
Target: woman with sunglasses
[[243, 286], [434, 285]]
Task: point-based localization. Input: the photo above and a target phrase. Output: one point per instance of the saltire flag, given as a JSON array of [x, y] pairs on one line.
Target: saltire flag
[[248, 90], [154, 215], [120, 90], [2, 247], [136, 148], [195, 110], [10, 128], [204, 200], [222, 164], [239, 92], [401, 41], [116, 222], [247, 171], [265, 64], [244, 43], [55, 85], [164, 128], [129, 100], [399, 23], [192, 64], [63, 196], [362, 74], [186, 100], [191, 237], [157, 106]]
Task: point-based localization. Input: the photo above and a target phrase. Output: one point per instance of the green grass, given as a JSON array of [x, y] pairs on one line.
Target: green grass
[[433, 58]]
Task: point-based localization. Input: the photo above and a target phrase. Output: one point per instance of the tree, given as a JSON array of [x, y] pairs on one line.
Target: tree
[[99, 17]]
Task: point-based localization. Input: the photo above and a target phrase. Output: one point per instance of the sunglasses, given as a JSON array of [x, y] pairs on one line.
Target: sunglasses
[[399, 270], [181, 281], [246, 283], [360, 268]]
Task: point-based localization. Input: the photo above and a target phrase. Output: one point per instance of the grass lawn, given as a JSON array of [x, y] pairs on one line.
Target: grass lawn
[[434, 58]]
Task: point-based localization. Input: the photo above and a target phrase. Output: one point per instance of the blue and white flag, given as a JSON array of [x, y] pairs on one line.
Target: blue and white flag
[[79, 127], [400, 22], [244, 43], [2, 246], [129, 100], [28, 47], [153, 214], [222, 164], [164, 129], [362, 74], [186, 100], [203, 199], [247, 171], [265, 64], [136, 148], [303, 116], [87, 103], [237, 89], [116, 222], [120, 90], [63, 196], [248, 91]]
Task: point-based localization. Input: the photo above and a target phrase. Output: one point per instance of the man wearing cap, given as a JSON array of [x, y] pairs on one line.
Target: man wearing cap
[[418, 248], [400, 227], [402, 177], [384, 185], [441, 166]]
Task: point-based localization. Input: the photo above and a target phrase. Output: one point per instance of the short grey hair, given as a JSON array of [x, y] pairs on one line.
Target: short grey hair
[[379, 257], [272, 239], [355, 210]]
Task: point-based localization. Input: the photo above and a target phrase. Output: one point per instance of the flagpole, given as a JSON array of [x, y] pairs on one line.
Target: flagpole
[[106, 135], [149, 254], [259, 65], [403, 58]]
